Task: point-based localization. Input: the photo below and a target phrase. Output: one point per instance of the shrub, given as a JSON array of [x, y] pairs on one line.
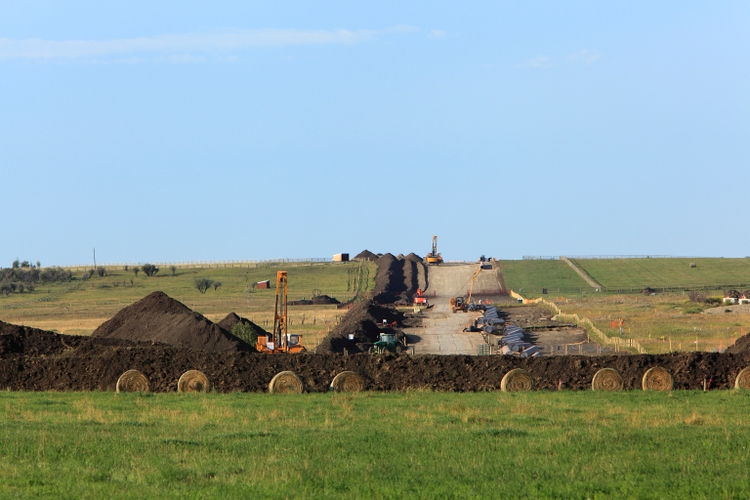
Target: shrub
[[136, 269], [6, 288], [202, 284], [101, 271], [216, 284], [55, 274], [87, 274], [149, 269], [245, 332], [173, 269]]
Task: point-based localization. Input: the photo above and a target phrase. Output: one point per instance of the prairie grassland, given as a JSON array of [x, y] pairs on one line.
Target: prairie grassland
[[90, 303], [635, 274], [654, 321], [375, 445], [530, 276]]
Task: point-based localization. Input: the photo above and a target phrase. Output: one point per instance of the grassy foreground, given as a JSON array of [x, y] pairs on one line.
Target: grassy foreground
[[375, 445]]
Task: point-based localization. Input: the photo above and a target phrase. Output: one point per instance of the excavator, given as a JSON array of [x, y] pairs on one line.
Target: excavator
[[459, 303], [434, 257], [279, 341]]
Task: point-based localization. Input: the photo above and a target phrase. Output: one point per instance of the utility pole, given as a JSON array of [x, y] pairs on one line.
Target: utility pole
[[94, 257]]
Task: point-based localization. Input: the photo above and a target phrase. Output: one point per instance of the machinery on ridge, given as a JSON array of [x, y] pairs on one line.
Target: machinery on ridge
[[434, 257], [280, 341]]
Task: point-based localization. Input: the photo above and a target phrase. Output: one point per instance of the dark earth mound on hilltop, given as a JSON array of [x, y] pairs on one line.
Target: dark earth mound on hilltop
[[160, 318], [366, 255], [397, 280]]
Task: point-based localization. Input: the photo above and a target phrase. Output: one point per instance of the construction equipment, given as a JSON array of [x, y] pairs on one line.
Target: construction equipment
[[280, 341], [434, 257], [461, 304], [420, 299], [387, 342]]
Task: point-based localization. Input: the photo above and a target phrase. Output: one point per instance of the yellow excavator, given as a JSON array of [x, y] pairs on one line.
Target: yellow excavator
[[280, 342], [434, 257]]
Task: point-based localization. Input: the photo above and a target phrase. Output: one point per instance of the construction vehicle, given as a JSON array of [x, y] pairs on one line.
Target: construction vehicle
[[420, 299], [434, 257], [461, 304], [280, 341], [387, 343]]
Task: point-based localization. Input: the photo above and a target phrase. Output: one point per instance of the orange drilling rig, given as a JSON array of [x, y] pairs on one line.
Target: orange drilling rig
[[280, 342]]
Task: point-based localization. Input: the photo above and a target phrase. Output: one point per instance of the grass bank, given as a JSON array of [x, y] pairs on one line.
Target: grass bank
[[413, 445]]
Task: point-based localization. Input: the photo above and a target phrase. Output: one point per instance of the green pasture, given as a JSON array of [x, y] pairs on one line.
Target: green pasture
[[630, 444], [635, 274], [528, 277]]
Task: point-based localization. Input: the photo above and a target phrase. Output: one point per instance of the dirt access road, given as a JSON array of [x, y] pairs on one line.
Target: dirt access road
[[441, 330]]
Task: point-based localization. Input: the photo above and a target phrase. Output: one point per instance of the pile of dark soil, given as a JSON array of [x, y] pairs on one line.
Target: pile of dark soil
[[366, 255], [742, 345], [160, 318], [364, 322], [36, 360], [397, 279], [315, 301], [231, 320]]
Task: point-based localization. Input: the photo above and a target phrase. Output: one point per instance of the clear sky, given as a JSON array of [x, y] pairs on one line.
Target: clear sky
[[186, 131]]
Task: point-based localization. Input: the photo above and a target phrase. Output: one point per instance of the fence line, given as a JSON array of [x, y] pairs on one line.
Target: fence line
[[574, 318], [204, 264], [607, 257]]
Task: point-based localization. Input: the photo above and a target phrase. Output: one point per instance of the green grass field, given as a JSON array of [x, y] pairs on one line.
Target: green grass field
[[635, 274], [530, 276], [375, 445]]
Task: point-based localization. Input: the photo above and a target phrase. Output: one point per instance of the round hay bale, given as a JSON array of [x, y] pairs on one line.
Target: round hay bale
[[347, 382], [607, 379], [743, 379], [132, 381], [193, 381], [657, 379], [285, 382], [515, 380]]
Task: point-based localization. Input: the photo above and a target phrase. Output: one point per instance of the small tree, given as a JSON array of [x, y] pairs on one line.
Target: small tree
[[135, 270], [173, 269], [101, 271], [202, 284], [149, 269], [16, 264], [38, 265], [216, 284]]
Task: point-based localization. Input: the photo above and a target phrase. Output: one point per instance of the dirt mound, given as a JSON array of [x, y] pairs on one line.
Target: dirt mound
[[324, 299], [160, 318], [741, 346], [231, 319], [366, 255], [84, 364], [364, 322], [413, 257], [397, 280]]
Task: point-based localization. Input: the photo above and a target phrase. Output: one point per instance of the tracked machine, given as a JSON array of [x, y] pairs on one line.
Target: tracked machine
[[434, 258], [280, 341]]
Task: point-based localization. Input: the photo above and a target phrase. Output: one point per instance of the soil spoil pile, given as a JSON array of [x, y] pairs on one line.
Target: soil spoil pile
[[231, 320], [364, 321], [160, 318], [741, 346], [366, 255], [398, 279]]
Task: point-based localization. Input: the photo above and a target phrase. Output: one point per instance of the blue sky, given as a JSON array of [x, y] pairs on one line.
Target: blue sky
[[183, 131]]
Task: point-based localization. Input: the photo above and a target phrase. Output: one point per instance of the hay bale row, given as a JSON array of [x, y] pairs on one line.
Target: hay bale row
[[517, 380]]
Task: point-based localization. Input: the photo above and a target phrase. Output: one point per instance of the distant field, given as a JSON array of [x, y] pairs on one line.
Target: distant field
[[82, 309], [635, 274], [530, 276], [631, 444]]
